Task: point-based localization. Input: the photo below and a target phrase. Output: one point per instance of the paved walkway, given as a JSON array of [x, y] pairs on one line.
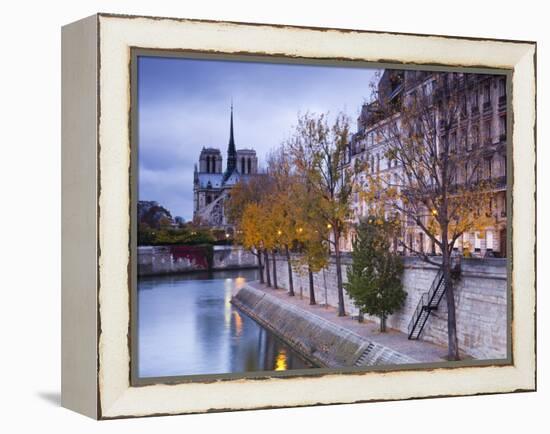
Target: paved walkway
[[394, 339]]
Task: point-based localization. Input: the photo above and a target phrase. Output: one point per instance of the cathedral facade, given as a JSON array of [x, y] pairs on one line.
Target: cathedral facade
[[212, 184]]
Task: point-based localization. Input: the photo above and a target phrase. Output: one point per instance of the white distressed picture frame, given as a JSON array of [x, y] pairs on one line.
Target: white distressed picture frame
[[96, 218]]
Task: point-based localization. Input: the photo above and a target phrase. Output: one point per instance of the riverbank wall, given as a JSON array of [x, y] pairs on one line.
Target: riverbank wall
[[316, 339], [480, 296], [157, 260]]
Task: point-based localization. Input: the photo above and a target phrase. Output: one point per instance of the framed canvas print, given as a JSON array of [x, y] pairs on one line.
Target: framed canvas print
[[260, 216]]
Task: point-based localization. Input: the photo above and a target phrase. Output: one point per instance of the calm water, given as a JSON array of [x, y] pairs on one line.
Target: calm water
[[187, 326]]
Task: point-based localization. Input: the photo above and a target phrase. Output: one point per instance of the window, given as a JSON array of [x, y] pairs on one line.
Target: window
[[502, 127], [487, 132], [414, 98], [487, 94], [463, 141], [419, 128], [502, 88], [474, 99], [489, 168], [454, 174], [476, 136], [452, 143]]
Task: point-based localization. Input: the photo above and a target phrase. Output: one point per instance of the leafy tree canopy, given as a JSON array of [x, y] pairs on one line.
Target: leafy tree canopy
[[374, 277]]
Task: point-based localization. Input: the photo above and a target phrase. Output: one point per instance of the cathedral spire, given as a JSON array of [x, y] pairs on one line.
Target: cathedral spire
[[231, 151]]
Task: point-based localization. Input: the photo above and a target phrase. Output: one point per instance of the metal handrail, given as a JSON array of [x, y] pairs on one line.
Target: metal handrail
[[416, 315], [426, 302]]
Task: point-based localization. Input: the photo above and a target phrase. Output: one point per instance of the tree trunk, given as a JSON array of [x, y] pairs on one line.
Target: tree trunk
[[449, 295], [290, 281], [382, 323], [361, 317], [311, 287], [267, 272], [260, 266], [274, 270], [340, 286]]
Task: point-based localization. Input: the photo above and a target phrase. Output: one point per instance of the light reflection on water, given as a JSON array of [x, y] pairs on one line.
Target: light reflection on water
[[187, 326], [280, 361]]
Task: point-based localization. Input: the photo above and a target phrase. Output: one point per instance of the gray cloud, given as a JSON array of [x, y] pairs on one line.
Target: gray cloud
[[184, 105]]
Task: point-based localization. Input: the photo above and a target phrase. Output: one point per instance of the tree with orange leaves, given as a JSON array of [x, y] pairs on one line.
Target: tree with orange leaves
[[319, 151], [244, 210]]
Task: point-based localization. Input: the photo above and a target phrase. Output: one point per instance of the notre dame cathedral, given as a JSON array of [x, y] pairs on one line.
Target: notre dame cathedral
[[212, 185]]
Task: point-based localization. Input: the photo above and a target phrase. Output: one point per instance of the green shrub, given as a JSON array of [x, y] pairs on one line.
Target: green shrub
[[374, 277]]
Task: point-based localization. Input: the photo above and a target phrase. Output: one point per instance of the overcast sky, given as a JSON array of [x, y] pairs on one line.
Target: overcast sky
[[184, 104]]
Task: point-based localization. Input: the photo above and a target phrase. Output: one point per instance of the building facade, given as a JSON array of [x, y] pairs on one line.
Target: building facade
[[212, 185], [480, 124]]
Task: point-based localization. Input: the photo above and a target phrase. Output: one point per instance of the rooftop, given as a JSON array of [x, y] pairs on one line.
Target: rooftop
[[210, 150]]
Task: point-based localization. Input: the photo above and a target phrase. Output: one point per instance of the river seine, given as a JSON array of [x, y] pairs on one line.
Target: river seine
[[187, 326]]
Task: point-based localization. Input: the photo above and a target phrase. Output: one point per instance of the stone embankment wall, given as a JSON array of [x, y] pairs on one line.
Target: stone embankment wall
[[480, 296], [315, 338], [155, 260]]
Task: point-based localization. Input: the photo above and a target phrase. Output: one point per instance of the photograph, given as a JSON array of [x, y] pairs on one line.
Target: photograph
[[287, 216], [293, 217]]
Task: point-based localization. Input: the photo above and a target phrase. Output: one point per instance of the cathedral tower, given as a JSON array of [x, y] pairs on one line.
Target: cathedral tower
[[212, 186], [231, 151]]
